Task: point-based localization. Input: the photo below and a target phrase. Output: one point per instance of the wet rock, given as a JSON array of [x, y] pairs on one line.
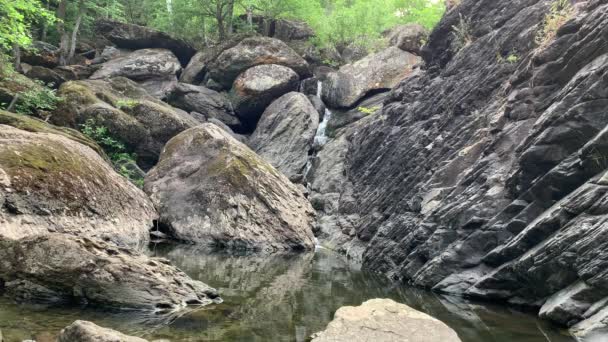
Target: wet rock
[[84, 331], [135, 37], [285, 134], [251, 52], [41, 54], [410, 37], [384, 320], [211, 189], [140, 121], [257, 87], [154, 69], [51, 183], [318, 104], [63, 268], [209, 103], [380, 71]]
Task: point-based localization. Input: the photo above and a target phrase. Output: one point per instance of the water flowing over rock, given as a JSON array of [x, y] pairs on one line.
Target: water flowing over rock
[[135, 37], [51, 183], [155, 69], [209, 103], [255, 51], [484, 177], [60, 268], [257, 87], [140, 121], [380, 71], [384, 320], [211, 189], [84, 331], [285, 134]]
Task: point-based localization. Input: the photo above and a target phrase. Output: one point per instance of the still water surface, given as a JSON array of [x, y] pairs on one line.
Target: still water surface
[[278, 298]]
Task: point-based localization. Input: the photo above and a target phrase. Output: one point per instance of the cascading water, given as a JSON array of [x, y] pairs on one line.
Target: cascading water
[[321, 135]]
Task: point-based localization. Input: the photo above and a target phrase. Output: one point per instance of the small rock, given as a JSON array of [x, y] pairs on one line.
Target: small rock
[[84, 331]]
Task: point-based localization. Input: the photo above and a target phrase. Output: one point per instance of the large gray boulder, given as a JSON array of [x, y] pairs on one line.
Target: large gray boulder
[[52, 183], [380, 71], [193, 73], [251, 52], [210, 103], [384, 320], [285, 134], [84, 331], [41, 54], [59, 268], [131, 116], [155, 69], [211, 189], [409, 37], [257, 87], [135, 37]]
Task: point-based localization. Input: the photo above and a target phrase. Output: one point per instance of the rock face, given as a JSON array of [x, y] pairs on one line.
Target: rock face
[[62, 268], [380, 71], [486, 178], [131, 116], [257, 87], [285, 134], [137, 37], [384, 320], [51, 183], [209, 103], [408, 38], [41, 54], [154, 69], [211, 189], [251, 52], [84, 331], [45, 75], [194, 72]]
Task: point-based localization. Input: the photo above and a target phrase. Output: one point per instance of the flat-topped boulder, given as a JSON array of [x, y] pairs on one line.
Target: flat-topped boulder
[[384, 320], [51, 183], [211, 189], [255, 51]]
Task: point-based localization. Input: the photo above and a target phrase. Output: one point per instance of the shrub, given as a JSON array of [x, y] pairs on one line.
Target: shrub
[[122, 160], [37, 100], [462, 32], [368, 110], [126, 104], [561, 11]]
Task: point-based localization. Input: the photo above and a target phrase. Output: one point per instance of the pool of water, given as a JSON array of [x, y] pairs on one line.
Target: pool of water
[[278, 298]]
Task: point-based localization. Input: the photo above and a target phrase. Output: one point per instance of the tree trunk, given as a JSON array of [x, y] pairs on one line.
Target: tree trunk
[[81, 10], [250, 17], [230, 14], [219, 17], [17, 57], [65, 39]]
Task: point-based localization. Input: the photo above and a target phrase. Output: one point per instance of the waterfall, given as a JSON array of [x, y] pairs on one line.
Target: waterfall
[[321, 136]]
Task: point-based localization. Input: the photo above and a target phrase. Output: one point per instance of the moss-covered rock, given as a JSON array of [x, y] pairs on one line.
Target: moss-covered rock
[[52, 183], [211, 189]]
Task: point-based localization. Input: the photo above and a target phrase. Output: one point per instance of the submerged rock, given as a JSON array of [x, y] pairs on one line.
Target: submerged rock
[[257, 87], [50, 183], [380, 71], [251, 52], [155, 69], [131, 116], [211, 189], [384, 320], [84, 331], [59, 268], [285, 134]]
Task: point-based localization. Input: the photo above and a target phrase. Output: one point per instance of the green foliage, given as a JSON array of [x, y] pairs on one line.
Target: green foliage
[[126, 104], [368, 110], [37, 100], [463, 33], [512, 58], [561, 11], [115, 149], [16, 18]]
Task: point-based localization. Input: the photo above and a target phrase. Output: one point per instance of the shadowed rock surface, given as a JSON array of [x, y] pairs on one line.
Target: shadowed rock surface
[[384, 320], [251, 52], [211, 189], [50, 183], [84, 331], [66, 269], [285, 134]]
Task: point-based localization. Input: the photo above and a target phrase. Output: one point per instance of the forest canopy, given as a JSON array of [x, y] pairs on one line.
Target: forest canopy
[[200, 22]]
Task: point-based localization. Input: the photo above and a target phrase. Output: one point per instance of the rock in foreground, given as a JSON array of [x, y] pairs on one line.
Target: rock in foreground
[[211, 189], [51, 183], [84, 331], [62, 268], [384, 320]]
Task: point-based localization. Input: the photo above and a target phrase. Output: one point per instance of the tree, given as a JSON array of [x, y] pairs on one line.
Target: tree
[[16, 19], [222, 11]]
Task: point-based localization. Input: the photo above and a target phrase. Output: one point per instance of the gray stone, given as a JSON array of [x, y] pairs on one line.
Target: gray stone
[[285, 134], [409, 37], [384, 320], [211, 189], [194, 72], [84, 331]]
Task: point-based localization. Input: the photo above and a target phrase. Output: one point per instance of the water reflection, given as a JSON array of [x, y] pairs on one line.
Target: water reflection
[[280, 298]]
